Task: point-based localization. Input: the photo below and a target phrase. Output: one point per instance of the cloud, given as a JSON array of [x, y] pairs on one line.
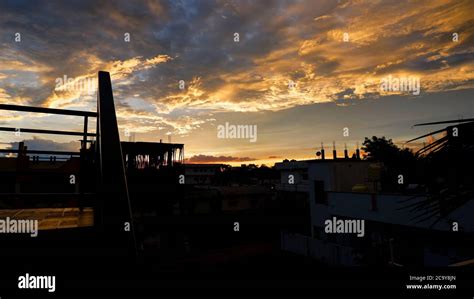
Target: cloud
[[46, 144], [279, 42], [85, 85], [274, 157], [217, 159]]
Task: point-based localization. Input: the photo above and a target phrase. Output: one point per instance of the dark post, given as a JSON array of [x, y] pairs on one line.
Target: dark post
[[113, 191], [82, 176], [84, 138]]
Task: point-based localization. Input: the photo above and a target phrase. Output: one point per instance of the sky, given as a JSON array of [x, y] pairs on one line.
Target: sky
[[301, 72]]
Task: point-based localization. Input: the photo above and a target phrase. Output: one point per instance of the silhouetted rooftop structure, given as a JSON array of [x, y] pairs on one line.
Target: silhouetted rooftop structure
[[141, 155]]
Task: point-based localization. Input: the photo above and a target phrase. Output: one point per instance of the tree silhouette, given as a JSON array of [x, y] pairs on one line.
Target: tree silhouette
[[396, 161]]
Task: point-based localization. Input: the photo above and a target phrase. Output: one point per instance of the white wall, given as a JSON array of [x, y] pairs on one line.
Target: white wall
[[358, 205], [330, 253]]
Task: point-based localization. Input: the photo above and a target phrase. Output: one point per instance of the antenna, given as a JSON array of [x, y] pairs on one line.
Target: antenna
[[322, 151]]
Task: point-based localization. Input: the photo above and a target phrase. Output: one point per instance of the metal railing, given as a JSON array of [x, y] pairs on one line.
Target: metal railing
[[112, 207]]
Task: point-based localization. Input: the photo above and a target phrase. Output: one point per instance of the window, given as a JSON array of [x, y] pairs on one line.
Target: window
[[318, 232], [319, 194]]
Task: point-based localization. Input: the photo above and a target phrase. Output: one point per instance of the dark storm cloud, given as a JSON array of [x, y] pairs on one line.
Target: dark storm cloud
[[46, 144]]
